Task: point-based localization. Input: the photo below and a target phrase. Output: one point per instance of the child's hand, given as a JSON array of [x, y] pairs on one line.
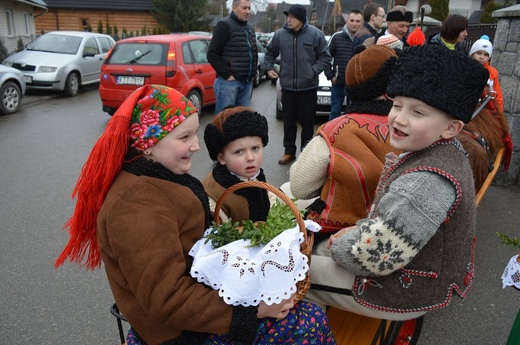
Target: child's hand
[[278, 311], [339, 234]]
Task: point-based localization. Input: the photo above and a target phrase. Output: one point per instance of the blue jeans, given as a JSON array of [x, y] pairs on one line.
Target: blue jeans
[[232, 92], [337, 97]]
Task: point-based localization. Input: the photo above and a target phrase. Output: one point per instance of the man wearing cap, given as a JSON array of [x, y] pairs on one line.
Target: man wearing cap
[[398, 20], [233, 55], [304, 54]]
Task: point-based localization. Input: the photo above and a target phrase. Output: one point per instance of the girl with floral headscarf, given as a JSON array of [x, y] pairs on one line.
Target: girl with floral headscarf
[[139, 211]]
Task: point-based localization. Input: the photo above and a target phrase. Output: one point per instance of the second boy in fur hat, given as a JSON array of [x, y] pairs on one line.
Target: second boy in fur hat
[[235, 139], [415, 250]]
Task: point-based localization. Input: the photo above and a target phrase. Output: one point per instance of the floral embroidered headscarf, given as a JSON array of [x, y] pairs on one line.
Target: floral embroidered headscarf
[[155, 115], [144, 118]]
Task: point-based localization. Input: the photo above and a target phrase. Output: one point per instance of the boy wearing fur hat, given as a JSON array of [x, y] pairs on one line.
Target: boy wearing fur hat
[[235, 139], [416, 248], [481, 51], [343, 162]]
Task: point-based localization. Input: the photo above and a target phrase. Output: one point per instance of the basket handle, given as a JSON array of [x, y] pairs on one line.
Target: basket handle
[[266, 186]]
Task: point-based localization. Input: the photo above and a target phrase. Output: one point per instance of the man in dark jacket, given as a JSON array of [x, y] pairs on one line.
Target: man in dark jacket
[[341, 49], [303, 56], [374, 16], [234, 57]]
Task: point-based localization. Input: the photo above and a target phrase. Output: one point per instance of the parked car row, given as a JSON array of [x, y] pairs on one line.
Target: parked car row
[[62, 60], [66, 60]]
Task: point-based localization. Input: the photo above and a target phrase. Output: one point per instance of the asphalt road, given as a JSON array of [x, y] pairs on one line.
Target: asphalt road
[[44, 147]]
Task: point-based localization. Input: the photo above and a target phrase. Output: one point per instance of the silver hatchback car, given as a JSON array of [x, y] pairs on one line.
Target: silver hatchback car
[[62, 60]]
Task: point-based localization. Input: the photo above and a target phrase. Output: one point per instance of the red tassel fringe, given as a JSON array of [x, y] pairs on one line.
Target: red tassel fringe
[[416, 38], [98, 173]]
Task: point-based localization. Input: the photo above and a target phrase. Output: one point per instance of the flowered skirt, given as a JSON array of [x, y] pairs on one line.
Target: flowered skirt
[[305, 324]]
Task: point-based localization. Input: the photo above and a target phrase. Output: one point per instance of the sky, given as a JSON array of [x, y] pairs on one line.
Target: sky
[[261, 5]]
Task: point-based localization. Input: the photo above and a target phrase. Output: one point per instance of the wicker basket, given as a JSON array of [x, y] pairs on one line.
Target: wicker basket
[[305, 247]]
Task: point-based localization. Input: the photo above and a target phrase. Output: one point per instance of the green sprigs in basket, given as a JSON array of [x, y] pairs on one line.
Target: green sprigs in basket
[[279, 218]]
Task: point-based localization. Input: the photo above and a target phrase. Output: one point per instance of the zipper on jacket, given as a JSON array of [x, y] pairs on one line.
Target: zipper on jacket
[[295, 62], [248, 38]]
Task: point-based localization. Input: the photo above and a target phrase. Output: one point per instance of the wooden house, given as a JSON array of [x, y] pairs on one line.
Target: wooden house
[[130, 17]]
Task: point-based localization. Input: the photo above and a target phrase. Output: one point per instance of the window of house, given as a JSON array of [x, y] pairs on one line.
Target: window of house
[[84, 24], [27, 23], [9, 19]]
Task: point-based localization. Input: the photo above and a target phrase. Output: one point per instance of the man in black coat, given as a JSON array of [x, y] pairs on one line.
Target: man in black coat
[[234, 57], [340, 48]]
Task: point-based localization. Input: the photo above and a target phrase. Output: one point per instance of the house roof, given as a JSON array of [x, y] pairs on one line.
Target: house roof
[[37, 3], [117, 5]]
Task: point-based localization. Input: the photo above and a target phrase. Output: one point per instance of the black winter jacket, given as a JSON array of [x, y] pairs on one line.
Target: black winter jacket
[[233, 51], [303, 56], [340, 48]]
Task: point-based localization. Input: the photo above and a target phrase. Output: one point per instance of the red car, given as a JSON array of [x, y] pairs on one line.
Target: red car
[[177, 60]]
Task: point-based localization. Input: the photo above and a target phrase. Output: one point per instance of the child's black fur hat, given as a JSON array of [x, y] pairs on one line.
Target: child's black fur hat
[[440, 77], [233, 123]]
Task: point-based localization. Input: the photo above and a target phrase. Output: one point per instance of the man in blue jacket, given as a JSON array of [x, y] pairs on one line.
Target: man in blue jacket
[[304, 54], [233, 55]]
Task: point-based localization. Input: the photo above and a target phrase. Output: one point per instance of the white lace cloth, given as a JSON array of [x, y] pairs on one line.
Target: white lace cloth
[[247, 275], [511, 275]]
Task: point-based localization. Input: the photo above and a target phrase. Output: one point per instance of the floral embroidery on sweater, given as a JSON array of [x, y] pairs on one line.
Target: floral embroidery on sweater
[[381, 249]]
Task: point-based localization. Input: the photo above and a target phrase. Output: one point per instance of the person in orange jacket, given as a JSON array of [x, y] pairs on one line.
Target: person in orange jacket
[[481, 51]]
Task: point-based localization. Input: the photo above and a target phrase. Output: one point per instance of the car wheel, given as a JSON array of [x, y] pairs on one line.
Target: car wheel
[[195, 99], [72, 84], [256, 79], [11, 98]]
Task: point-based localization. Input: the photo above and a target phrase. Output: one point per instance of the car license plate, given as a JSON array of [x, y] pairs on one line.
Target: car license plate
[[323, 99], [124, 80], [28, 79]]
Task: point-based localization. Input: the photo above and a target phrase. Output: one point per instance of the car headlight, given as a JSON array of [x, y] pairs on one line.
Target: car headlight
[[9, 64], [47, 69]]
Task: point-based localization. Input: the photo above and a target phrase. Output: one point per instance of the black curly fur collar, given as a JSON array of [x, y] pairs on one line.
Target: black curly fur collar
[[374, 107], [257, 198]]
